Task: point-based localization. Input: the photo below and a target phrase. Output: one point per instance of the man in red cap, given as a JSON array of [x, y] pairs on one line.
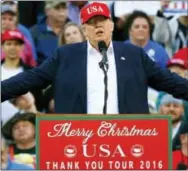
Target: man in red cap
[[97, 23], [179, 65], [77, 72], [179, 62]]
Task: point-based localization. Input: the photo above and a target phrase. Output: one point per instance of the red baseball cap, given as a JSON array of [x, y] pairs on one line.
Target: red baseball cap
[[180, 58], [94, 9], [12, 35]]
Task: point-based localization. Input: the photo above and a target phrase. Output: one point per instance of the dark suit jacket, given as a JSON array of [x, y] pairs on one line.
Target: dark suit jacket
[[67, 71]]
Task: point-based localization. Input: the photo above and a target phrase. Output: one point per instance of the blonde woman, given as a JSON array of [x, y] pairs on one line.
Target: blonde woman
[[71, 33]]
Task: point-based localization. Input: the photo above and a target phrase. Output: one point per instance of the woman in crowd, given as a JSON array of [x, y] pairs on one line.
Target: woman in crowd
[[71, 33]]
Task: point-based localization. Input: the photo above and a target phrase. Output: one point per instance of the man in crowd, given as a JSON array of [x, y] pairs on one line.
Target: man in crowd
[[6, 163], [20, 129], [78, 79], [45, 33], [174, 107], [179, 65], [74, 8]]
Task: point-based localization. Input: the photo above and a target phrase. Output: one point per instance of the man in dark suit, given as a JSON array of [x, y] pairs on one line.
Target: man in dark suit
[[77, 78]]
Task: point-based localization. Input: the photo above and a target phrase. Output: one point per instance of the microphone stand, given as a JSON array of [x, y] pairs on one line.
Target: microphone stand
[[104, 66]]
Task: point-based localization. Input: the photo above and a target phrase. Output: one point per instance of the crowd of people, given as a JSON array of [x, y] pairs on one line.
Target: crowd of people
[[32, 31]]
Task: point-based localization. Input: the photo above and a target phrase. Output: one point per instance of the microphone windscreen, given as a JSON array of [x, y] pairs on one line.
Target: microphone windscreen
[[102, 46]]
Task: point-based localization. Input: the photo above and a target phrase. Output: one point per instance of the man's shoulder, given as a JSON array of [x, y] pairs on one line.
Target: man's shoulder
[[39, 27], [73, 47], [127, 47]]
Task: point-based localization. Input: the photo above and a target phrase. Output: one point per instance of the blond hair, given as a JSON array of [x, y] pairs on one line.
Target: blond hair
[[62, 40]]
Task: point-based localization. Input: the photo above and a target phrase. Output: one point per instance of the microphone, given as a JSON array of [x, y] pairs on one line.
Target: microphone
[[103, 64], [103, 49]]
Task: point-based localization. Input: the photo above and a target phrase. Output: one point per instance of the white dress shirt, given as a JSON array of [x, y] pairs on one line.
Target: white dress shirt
[[175, 130], [95, 82]]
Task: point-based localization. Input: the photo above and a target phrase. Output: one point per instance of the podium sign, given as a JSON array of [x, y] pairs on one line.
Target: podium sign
[[121, 142]]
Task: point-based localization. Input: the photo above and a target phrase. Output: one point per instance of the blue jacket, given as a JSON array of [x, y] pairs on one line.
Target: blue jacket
[[156, 52], [16, 166], [67, 71], [46, 41]]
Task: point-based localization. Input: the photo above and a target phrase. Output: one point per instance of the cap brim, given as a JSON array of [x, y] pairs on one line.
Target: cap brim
[[107, 17], [20, 40], [173, 64]]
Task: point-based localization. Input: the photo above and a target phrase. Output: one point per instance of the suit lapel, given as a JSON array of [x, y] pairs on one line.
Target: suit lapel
[[82, 74]]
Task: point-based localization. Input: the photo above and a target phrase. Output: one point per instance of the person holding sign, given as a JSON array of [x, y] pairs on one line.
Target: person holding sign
[[77, 73]]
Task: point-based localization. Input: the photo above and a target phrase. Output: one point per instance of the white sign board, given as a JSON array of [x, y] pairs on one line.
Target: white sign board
[[126, 7], [177, 8]]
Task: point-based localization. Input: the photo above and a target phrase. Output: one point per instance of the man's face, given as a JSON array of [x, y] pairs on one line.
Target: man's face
[[4, 155], [12, 48], [173, 109], [72, 34], [8, 21], [178, 70], [99, 28], [23, 131], [58, 14], [184, 139], [139, 30]]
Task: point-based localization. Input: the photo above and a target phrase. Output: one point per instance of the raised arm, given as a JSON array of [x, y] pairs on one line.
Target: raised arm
[[36, 78], [162, 79]]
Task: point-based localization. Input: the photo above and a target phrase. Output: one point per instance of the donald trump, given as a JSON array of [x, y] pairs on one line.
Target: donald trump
[[78, 81]]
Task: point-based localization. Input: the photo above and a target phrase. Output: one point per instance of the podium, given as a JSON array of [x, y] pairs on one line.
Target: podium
[[98, 142]]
